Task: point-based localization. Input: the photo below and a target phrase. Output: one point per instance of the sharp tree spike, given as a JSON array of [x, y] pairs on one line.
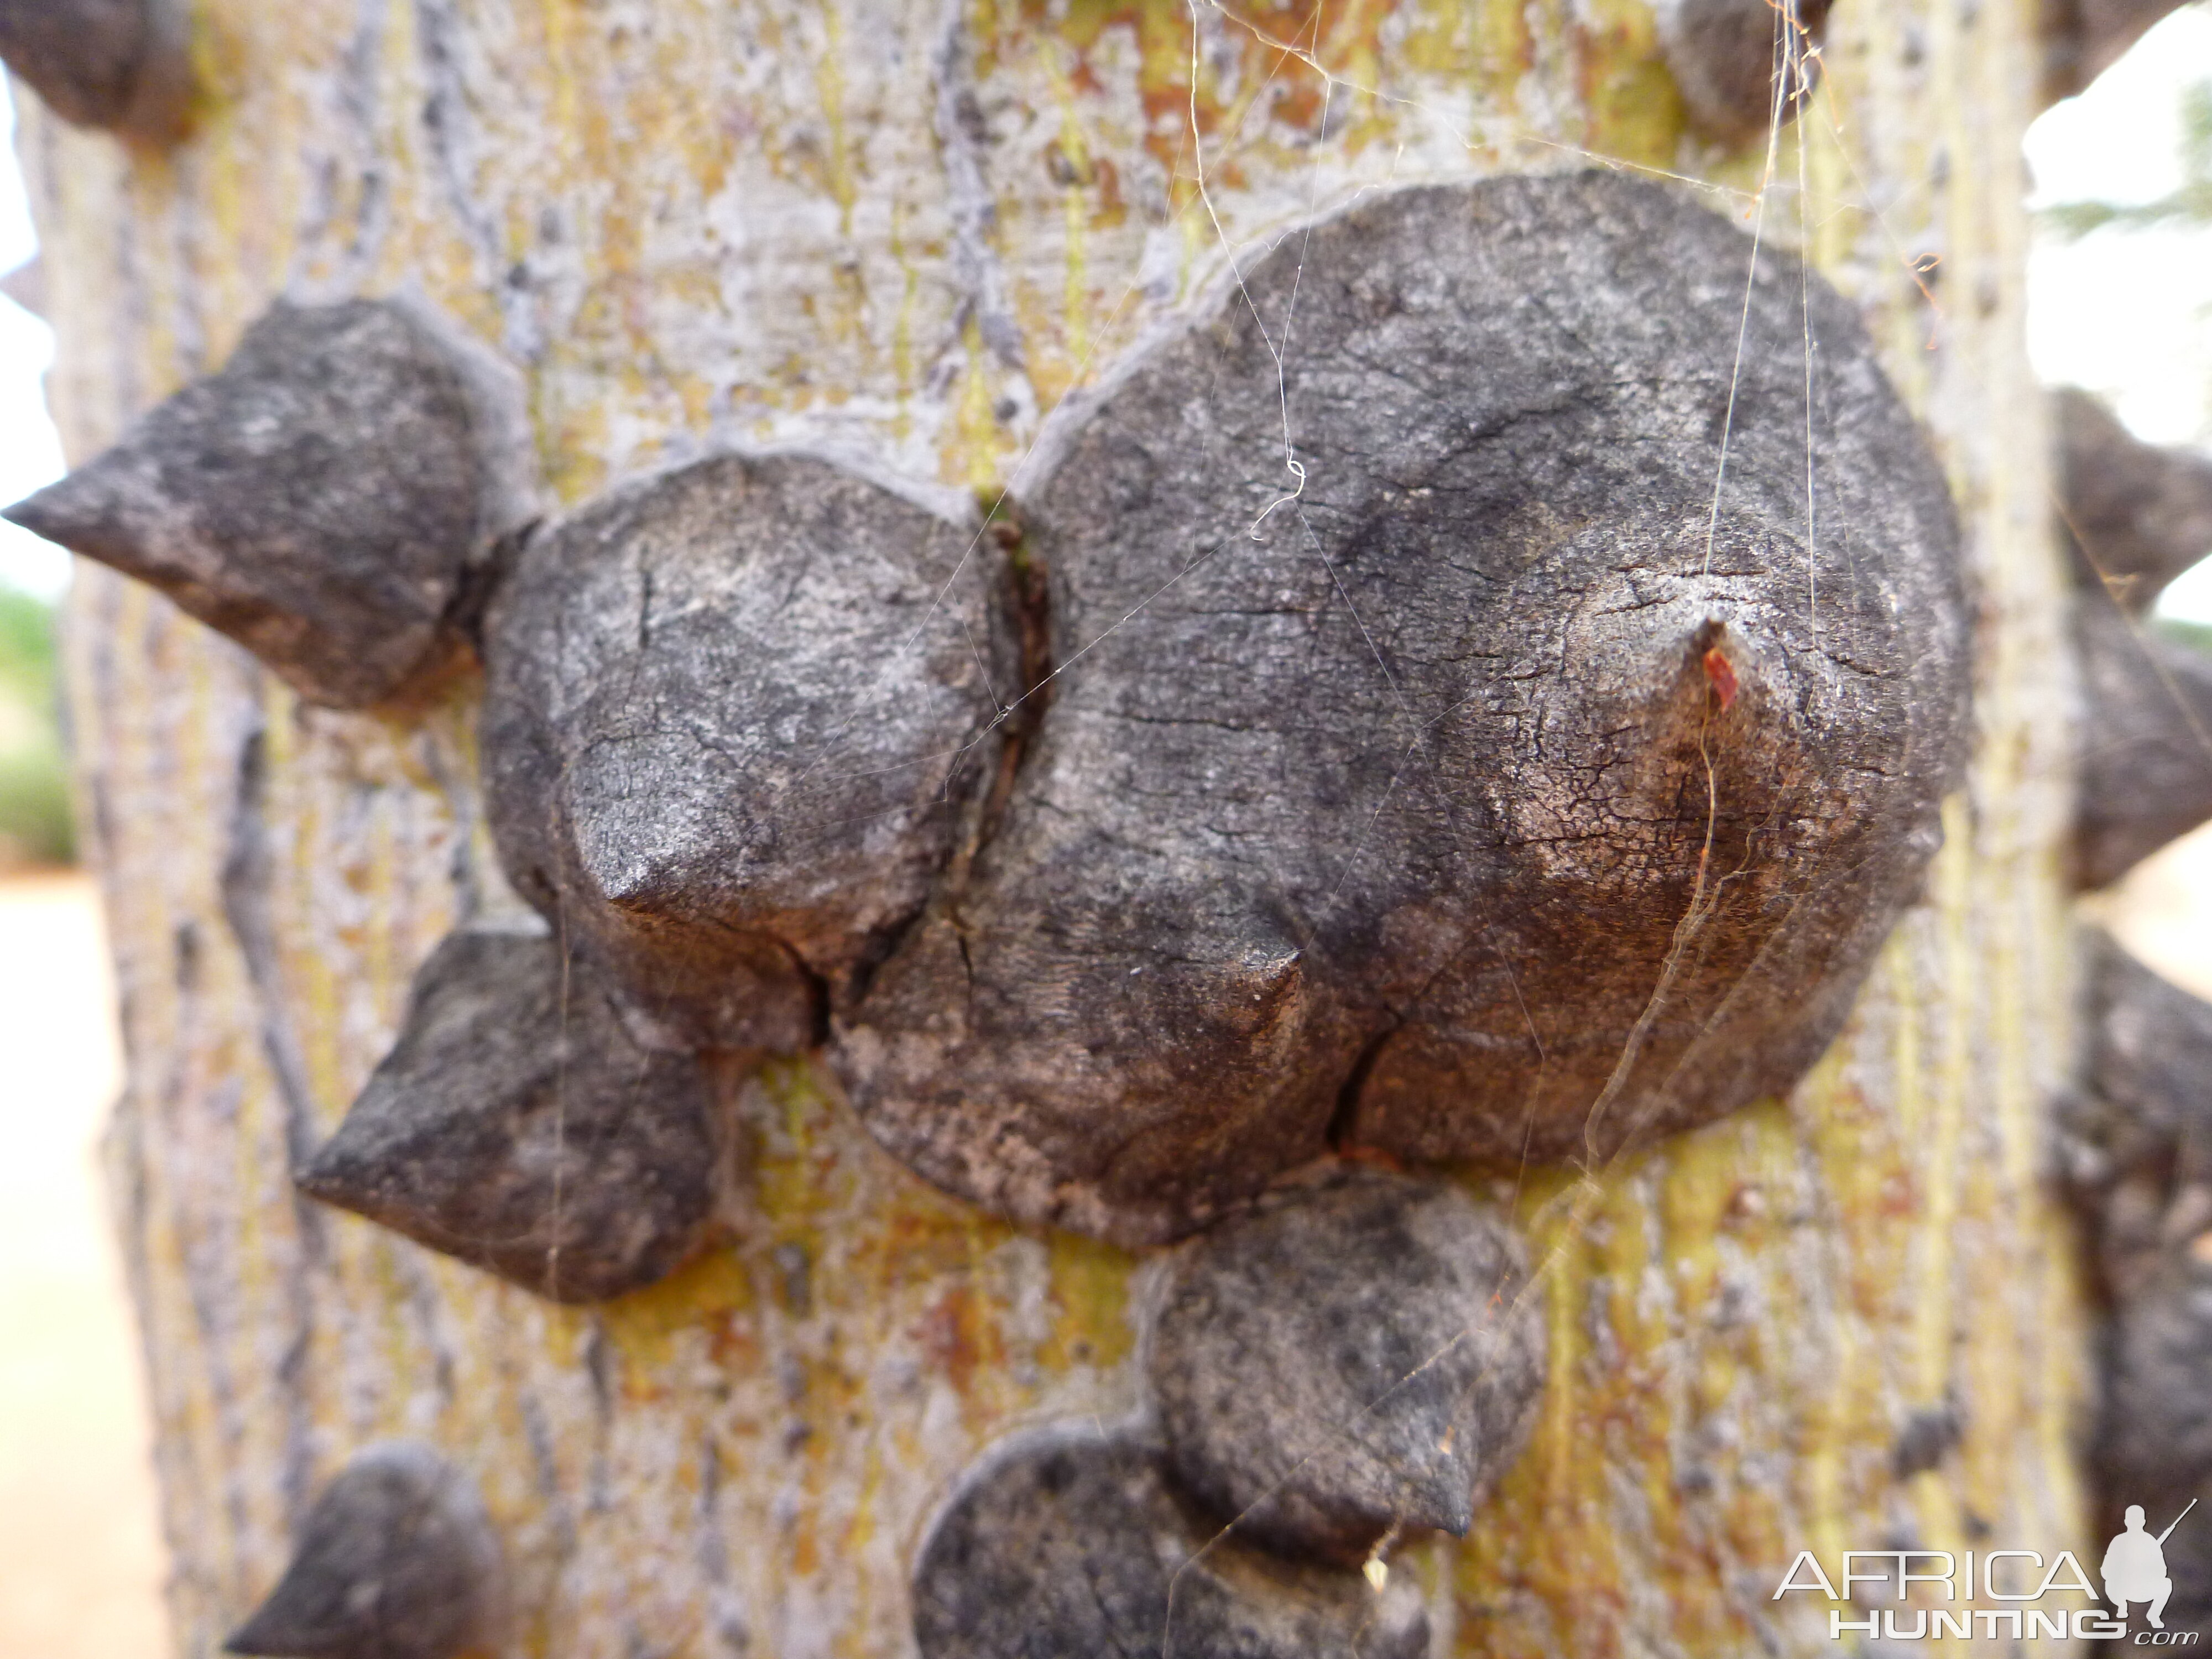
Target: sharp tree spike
[[1728, 56], [1360, 1355], [736, 718], [398, 1559], [2158, 1411], [2154, 1443], [27, 285], [1066, 1542], [1378, 800], [121, 64], [2146, 775], [519, 1126], [2136, 514], [1928, 1435], [320, 500], [2142, 1129], [2082, 39]]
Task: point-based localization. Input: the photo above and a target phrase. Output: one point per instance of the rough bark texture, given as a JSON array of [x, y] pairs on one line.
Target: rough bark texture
[[907, 235]]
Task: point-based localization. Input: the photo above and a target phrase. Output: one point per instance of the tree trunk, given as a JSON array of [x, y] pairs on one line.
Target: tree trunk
[[910, 231]]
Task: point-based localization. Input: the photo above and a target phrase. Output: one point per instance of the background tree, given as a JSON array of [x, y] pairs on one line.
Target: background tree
[[1829, 1321]]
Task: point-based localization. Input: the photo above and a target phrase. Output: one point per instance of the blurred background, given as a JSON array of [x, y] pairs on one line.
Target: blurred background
[[2121, 304]]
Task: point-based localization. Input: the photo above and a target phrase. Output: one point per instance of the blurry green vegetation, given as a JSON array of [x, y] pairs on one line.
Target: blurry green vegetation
[[2191, 204], [34, 805], [2195, 634]]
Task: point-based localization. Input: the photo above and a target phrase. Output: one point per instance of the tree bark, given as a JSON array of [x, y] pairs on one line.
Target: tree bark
[[909, 231]]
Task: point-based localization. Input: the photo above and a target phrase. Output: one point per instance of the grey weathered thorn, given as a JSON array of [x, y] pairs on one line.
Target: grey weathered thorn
[[2146, 756], [1066, 1542], [27, 285], [2082, 39], [1732, 59], [2151, 1054], [2145, 1113], [1361, 1354], [2154, 1443], [518, 1125], [2158, 1387], [1928, 1435], [736, 718], [122, 64], [319, 499], [1387, 809], [2135, 515], [398, 1559]]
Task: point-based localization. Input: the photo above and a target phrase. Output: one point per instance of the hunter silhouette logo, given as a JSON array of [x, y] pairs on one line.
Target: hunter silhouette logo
[[2134, 1567], [1876, 1599]]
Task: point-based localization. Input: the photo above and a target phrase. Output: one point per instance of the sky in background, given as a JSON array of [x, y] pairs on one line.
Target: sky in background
[[2127, 314]]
